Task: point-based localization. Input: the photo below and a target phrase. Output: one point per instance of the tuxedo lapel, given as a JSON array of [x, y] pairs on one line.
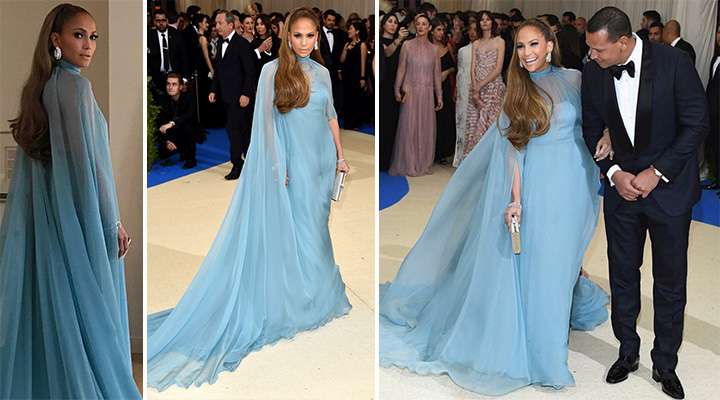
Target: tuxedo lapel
[[618, 133], [643, 118]]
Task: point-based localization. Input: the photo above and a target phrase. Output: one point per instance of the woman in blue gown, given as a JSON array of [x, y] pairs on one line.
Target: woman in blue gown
[[462, 303], [63, 311], [270, 271]]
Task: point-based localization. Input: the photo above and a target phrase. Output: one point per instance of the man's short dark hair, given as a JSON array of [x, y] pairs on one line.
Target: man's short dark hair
[[656, 24], [552, 20], [329, 12], [192, 10], [159, 11], [174, 75], [610, 19], [258, 7], [652, 15], [427, 7], [517, 18], [570, 15]]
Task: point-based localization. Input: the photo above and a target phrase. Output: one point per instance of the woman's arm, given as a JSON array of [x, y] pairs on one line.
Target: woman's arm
[[363, 61], [437, 76], [392, 47], [342, 165], [514, 209], [206, 55], [344, 52], [400, 77], [500, 46]]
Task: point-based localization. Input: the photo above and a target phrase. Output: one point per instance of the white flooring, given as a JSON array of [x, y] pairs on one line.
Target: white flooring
[[591, 353], [333, 362]]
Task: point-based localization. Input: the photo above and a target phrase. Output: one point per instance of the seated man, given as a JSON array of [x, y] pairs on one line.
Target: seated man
[[178, 123]]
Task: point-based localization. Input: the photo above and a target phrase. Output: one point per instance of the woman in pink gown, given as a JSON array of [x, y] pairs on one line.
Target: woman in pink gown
[[418, 77], [487, 89]]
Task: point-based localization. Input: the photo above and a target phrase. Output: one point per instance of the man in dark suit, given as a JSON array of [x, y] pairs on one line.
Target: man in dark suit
[[650, 97], [331, 46], [671, 36], [179, 129], [166, 51], [712, 144], [234, 85]]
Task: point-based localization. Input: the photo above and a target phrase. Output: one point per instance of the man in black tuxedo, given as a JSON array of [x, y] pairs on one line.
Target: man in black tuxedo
[[671, 36], [650, 97], [648, 17], [234, 85], [179, 129], [712, 144], [331, 46], [166, 51]]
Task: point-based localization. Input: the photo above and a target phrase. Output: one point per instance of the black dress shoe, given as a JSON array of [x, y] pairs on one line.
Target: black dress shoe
[[189, 164], [234, 172], [621, 369], [670, 382]]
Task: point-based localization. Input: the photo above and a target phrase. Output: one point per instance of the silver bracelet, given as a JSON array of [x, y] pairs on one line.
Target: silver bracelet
[[514, 204], [340, 160]]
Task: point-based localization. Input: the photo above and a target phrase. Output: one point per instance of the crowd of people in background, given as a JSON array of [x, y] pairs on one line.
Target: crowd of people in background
[[472, 50], [190, 46]]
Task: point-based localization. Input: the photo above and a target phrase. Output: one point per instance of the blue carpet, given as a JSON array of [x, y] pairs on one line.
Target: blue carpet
[[213, 152], [392, 189], [368, 128], [707, 210]]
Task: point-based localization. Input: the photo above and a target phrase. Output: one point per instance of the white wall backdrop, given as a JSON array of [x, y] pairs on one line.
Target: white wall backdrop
[[696, 17]]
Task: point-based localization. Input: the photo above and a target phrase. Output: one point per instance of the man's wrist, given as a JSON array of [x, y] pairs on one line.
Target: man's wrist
[[611, 171]]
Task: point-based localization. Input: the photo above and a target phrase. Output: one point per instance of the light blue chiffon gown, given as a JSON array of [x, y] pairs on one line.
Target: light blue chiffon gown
[[270, 271], [63, 310], [462, 304]]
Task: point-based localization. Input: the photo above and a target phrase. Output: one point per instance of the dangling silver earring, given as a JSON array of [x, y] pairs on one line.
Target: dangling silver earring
[[522, 66], [289, 45], [548, 56], [316, 46], [57, 53]]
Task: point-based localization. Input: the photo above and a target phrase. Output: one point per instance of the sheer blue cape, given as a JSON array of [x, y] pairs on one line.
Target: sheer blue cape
[[270, 271], [63, 310], [462, 303]]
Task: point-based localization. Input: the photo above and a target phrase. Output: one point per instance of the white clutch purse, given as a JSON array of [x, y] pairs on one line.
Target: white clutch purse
[[515, 235], [338, 185]]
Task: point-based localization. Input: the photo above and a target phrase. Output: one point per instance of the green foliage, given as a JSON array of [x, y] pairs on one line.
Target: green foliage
[[153, 111]]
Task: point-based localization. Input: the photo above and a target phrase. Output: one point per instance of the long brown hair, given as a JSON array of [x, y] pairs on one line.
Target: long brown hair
[[292, 87], [524, 104], [30, 127]]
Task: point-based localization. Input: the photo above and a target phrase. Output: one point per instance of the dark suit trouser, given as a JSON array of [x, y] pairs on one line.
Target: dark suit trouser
[[184, 139], [626, 229], [238, 125]]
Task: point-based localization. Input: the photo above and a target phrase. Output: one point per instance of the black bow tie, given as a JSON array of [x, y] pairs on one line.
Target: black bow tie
[[226, 40], [617, 70]]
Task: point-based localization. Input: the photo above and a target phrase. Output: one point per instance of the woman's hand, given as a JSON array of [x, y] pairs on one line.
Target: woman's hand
[[477, 100], [363, 84], [604, 147], [513, 209], [342, 166], [123, 241], [438, 104]]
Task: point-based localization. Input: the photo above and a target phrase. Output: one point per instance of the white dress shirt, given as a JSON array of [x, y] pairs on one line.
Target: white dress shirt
[[674, 42], [330, 37], [162, 56], [225, 44], [715, 67], [626, 90]]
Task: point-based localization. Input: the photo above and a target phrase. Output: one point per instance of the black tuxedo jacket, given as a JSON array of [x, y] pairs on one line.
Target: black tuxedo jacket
[[331, 57], [176, 48], [713, 96], [670, 124], [686, 47], [235, 73]]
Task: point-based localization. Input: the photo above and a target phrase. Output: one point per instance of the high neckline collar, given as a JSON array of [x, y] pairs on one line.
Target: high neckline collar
[[303, 60], [66, 65], [544, 72]]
